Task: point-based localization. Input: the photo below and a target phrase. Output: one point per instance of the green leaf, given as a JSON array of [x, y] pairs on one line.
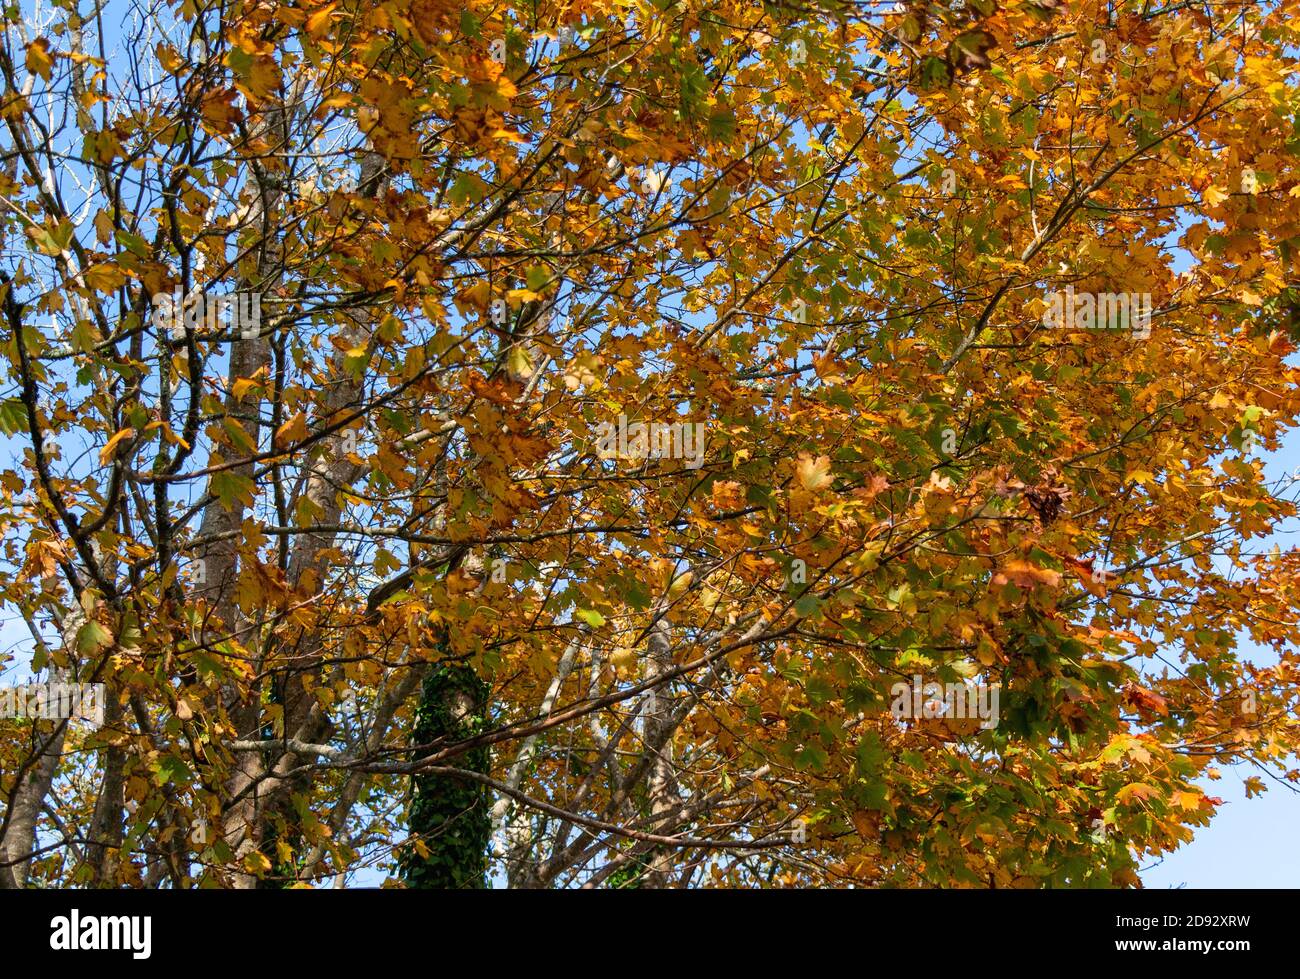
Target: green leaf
[[465, 188], [812, 757], [873, 796], [591, 617], [355, 361], [231, 488], [53, 243], [132, 243], [722, 124], [693, 88], [807, 605], [13, 416], [935, 72], [172, 769], [92, 637], [537, 278]]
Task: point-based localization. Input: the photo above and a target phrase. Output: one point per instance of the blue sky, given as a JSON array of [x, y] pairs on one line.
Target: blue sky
[[1251, 842]]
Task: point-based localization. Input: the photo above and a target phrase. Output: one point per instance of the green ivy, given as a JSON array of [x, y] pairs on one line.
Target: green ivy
[[450, 815]]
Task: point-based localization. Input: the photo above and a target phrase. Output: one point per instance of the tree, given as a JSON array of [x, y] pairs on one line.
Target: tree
[[532, 444]]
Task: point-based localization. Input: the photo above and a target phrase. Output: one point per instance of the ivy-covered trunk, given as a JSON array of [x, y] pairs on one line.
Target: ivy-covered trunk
[[450, 823]]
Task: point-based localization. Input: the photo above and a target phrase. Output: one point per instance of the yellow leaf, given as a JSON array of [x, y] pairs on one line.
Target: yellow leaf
[[1188, 800], [103, 226], [1214, 196], [244, 385], [39, 59], [318, 22], [172, 437], [294, 430], [623, 658], [814, 474], [519, 362], [110, 447], [475, 296], [1025, 575], [1137, 790], [680, 584], [168, 57]]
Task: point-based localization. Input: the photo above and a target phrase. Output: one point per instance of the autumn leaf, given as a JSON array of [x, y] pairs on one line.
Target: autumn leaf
[[1025, 575], [1091, 578], [39, 59], [1138, 792], [814, 472], [294, 430], [110, 447], [1146, 701], [93, 637], [231, 488]]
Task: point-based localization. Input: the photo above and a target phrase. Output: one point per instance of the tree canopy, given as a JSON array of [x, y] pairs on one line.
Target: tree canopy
[[528, 443]]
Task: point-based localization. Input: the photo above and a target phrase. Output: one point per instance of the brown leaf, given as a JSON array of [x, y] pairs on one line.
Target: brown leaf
[[1146, 701]]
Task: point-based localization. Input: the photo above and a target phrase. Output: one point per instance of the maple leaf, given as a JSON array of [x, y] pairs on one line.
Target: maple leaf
[[814, 472], [1086, 572], [1025, 575], [39, 60], [1146, 701], [294, 430]]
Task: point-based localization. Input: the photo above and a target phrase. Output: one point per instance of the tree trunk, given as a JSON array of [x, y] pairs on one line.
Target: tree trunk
[[450, 818]]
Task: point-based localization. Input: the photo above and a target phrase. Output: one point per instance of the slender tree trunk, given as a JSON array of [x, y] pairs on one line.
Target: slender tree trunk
[[26, 802], [106, 827], [659, 727]]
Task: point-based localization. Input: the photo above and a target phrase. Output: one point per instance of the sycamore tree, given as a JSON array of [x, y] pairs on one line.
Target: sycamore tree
[[531, 444]]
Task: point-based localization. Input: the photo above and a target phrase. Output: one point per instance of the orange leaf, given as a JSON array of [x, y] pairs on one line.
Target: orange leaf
[[1094, 582], [318, 23], [110, 447], [1026, 575], [1147, 701], [294, 430]]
